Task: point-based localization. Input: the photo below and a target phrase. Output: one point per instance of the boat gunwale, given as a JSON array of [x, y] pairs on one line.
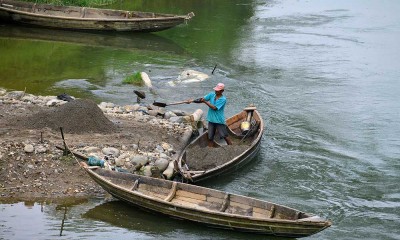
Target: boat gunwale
[[103, 179]]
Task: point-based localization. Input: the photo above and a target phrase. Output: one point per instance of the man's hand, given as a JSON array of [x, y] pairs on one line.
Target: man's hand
[[198, 100]]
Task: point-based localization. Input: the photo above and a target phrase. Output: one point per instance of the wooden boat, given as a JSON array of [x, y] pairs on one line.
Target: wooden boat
[[211, 207], [85, 18], [244, 144]]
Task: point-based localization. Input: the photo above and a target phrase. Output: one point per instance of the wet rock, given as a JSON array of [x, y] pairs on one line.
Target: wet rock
[[109, 105], [135, 147], [120, 161], [147, 171], [128, 165], [169, 172], [129, 108], [159, 149], [29, 148], [89, 150], [163, 155], [15, 94], [54, 102], [179, 113], [41, 149], [161, 164], [176, 119], [139, 159], [166, 146], [29, 98], [153, 112], [110, 151]]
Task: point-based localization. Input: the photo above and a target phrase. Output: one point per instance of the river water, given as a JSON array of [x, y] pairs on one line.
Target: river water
[[324, 75]]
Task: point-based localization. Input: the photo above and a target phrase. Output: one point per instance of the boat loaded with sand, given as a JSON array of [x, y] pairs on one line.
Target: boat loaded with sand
[[245, 130], [85, 18], [208, 206]]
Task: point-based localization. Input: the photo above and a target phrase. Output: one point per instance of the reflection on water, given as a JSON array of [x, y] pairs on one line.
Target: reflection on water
[[120, 214], [119, 40], [107, 220]]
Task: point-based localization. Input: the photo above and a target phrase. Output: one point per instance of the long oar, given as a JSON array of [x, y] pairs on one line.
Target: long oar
[[161, 104]]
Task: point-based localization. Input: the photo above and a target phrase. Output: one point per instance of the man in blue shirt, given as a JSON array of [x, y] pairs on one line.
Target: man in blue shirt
[[215, 116]]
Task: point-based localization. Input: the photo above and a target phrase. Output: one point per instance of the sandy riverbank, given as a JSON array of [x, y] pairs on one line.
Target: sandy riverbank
[[33, 169]]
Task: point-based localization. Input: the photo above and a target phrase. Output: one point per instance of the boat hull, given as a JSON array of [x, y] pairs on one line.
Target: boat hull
[[238, 162], [284, 228], [87, 19]]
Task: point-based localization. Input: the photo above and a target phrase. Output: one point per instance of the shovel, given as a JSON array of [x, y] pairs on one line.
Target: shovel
[[161, 104], [139, 95]]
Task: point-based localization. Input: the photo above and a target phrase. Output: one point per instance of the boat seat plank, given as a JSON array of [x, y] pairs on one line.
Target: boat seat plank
[[239, 205], [135, 185], [214, 200], [191, 195], [151, 194], [259, 215], [225, 203], [272, 212], [189, 200], [121, 182], [261, 212], [172, 193], [83, 12], [202, 191], [156, 189], [297, 216], [239, 211]]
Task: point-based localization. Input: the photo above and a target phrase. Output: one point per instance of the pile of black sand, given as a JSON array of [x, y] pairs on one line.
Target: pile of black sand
[[198, 158], [78, 116]]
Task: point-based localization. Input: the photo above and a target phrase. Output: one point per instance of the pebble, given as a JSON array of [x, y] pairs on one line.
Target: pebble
[[29, 148], [110, 151]]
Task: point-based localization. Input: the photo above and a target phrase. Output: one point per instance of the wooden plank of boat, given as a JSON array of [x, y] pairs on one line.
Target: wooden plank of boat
[[228, 157], [84, 18], [208, 206]]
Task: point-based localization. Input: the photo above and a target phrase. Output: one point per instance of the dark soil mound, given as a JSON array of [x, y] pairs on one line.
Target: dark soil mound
[[78, 116], [206, 158]]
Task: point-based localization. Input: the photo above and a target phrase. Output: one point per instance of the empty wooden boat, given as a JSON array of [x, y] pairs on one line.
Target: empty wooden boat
[[198, 162], [85, 18], [211, 207]]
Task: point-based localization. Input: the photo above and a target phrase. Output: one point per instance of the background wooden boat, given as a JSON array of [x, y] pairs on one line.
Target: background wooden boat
[[252, 141], [83, 18], [208, 206], [117, 40]]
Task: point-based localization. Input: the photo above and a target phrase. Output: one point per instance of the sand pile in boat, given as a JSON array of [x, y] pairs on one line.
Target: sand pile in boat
[[78, 116], [206, 158]]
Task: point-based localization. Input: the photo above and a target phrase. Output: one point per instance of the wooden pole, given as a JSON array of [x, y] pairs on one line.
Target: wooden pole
[[62, 222], [214, 69], [65, 151]]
